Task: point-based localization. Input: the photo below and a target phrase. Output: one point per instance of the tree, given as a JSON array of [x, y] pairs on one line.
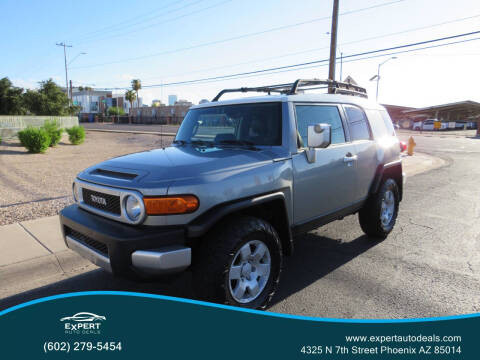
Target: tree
[[136, 85], [114, 110], [130, 96], [49, 99], [11, 99]]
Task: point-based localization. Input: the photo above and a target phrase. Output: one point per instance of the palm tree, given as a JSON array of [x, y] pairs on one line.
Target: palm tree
[[130, 96], [136, 85]]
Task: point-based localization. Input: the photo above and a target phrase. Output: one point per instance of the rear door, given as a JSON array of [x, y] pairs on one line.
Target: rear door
[[327, 185], [365, 148]]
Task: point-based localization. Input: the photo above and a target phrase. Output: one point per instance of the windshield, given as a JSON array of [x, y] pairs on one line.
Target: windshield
[[245, 124]]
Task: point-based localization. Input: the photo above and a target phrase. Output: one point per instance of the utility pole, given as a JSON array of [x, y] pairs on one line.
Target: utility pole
[[333, 45], [341, 66], [65, 57], [71, 91]]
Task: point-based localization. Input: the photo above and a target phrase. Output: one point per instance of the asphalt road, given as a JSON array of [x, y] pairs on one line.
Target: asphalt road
[[172, 129], [428, 266]]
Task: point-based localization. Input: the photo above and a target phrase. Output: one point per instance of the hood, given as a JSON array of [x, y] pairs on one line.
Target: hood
[[160, 167]]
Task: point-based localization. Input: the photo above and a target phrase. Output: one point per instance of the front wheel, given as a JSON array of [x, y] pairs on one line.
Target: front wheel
[[239, 263], [378, 215]]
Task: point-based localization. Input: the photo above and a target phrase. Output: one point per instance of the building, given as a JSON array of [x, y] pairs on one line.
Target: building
[[90, 100], [398, 116], [164, 114], [120, 101], [462, 112], [172, 99], [183, 103]]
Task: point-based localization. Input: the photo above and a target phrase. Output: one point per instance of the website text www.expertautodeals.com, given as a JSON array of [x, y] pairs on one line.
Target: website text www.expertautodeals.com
[[391, 345]]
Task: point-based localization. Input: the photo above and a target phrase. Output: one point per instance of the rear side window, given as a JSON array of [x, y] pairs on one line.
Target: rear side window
[[319, 114], [388, 122], [357, 123]]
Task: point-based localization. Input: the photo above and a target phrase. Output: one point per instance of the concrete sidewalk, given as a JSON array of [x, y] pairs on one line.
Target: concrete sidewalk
[[34, 250]]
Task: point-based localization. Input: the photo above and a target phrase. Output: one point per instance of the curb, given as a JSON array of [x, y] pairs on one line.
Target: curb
[[29, 274]]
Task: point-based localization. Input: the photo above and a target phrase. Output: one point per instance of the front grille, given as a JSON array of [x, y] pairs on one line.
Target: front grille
[[105, 202], [88, 241]]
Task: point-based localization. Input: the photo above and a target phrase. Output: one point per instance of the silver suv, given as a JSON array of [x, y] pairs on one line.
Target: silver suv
[[242, 179]]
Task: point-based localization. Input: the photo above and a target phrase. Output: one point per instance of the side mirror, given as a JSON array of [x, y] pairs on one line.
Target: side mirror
[[318, 136]]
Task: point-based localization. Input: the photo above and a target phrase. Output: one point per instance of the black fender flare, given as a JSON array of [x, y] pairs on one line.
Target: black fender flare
[[395, 167], [203, 223]]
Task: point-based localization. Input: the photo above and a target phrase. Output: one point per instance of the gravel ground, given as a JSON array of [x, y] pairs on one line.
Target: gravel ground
[[38, 185]]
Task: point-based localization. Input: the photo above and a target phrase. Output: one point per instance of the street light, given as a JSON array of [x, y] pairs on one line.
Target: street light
[[76, 56], [377, 77]]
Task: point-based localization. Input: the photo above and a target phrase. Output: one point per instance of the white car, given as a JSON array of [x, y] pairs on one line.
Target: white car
[[427, 125]]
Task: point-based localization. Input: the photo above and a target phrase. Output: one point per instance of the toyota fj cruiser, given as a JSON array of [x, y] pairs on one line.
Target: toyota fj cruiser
[[240, 181]]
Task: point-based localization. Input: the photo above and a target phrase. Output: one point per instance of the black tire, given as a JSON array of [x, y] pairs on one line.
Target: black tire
[[369, 215], [213, 258]]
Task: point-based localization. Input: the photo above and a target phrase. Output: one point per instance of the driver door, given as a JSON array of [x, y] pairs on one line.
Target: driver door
[[326, 185]]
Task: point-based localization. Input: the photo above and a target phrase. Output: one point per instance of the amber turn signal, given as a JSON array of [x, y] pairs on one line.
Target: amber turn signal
[[169, 205]]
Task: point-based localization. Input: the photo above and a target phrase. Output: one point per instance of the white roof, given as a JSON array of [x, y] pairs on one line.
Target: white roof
[[323, 98]]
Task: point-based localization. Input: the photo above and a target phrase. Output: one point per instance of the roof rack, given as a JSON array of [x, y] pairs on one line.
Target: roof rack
[[335, 87]]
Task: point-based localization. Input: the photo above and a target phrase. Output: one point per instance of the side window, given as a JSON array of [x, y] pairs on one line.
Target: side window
[[377, 124], [319, 114], [388, 122], [357, 123]]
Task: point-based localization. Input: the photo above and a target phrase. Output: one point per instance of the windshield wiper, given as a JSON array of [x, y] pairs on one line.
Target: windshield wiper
[[238, 142]]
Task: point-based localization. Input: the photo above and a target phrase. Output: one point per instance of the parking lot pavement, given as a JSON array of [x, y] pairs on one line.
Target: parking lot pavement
[[440, 133], [133, 128], [34, 260]]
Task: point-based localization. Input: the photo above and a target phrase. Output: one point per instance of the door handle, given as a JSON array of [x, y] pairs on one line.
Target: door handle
[[350, 158]]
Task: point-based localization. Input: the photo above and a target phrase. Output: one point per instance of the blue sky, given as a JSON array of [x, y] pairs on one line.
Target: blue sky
[[148, 40]]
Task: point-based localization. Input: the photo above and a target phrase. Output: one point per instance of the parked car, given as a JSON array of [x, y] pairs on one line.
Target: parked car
[[429, 125], [229, 199]]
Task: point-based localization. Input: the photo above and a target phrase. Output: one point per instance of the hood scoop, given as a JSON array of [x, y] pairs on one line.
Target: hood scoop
[[114, 174]]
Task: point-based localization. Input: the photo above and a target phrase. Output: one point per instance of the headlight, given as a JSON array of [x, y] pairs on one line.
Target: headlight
[[76, 192], [133, 207]]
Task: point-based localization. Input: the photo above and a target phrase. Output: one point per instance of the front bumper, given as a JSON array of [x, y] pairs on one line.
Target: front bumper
[[122, 249]]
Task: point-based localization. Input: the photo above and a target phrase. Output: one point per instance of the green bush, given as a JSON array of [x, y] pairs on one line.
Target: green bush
[[76, 135], [54, 131], [114, 110], [35, 140]]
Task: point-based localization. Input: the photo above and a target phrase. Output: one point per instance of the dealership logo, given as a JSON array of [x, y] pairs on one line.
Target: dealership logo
[[98, 200], [83, 323]]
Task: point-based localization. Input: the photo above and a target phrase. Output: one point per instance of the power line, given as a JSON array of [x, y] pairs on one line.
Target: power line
[[302, 66], [142, 21], [322, 61], [119, 24], [317, 49], [278, 28], [165, 21], [347, 61]]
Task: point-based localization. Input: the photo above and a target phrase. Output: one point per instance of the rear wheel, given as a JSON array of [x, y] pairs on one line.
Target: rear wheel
[[379, 214], [239, 263]]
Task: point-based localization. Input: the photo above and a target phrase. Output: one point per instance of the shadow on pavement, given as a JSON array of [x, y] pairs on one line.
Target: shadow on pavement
[[315, 256]]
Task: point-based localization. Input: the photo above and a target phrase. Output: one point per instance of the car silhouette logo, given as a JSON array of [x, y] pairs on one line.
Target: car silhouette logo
[[84, 316]]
